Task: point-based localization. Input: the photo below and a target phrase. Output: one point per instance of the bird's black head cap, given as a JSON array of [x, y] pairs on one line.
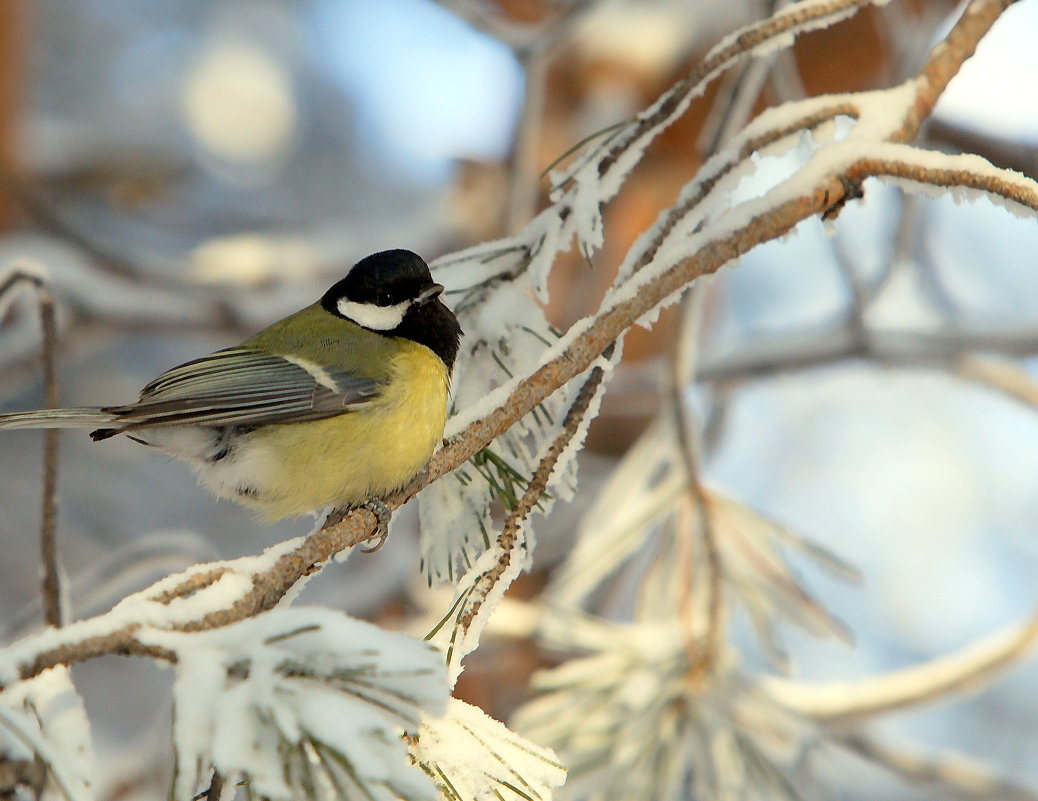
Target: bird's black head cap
[[381, 279], [386, 284]]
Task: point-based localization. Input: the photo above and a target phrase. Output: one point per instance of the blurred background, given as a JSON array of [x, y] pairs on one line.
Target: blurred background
[[191, 171]]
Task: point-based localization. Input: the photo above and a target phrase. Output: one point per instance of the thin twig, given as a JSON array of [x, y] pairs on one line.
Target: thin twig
[[508, 538], [215, 787], [1003, 376], [736, 97], [676, 99], [816, 347], [972, 667], [950, 772], [36, 277], [730, 112], [535, 57], [52, 603], [945, 60], [685, 353], [859, 294], [48, 221], [706, 185], [913, 248], [524, 178]]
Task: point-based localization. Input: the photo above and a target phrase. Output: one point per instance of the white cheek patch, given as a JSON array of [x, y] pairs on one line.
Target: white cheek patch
[[377, 318]]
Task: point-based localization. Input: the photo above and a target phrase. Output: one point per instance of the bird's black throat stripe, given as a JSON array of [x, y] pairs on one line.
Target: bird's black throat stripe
[[432, 325]]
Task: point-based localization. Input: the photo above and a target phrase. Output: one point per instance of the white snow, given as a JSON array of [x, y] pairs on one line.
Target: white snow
[[263, 697], [482, 760], [45, 717]]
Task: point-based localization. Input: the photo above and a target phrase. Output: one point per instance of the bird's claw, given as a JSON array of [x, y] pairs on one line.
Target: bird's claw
[[383, 514]]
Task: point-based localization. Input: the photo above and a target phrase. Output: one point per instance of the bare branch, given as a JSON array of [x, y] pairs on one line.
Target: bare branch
[[52, 603], [1000, 375], [683, 360], [968, 669], [816, 347], [36, 276], [522, 193], [46, 219], [950, 772]]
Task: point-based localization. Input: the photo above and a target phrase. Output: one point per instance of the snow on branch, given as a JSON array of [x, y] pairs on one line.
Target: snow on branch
[[44, 728], [481, 589], [27, 272], [966, 176], [489, 281], [599, 171], [819, 188], [204, 597], [823, 184], [303, 703]]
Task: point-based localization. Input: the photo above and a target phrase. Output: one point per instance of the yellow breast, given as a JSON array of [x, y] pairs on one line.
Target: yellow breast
[[363, 454]]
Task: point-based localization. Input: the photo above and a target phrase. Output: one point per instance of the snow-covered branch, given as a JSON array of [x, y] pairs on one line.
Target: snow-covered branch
[[283, 698], [968, 669], [816, 189], [481, 589]]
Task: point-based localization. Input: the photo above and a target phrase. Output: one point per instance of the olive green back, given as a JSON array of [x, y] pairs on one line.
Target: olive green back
[[318, 336]]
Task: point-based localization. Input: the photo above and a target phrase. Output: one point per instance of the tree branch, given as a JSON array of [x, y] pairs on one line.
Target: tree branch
[[732, 236], [37, 277], [950, 772], [966, 670]]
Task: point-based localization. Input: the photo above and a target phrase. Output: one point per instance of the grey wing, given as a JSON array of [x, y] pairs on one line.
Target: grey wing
[[241, 387]]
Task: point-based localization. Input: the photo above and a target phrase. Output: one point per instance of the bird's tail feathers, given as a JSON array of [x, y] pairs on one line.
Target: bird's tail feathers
[[85, 417]]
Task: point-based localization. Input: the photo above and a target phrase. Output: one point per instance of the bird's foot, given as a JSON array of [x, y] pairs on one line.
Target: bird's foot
[[383, 514]]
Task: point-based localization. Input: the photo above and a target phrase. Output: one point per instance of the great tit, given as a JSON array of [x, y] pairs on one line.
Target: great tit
[[337, 404]]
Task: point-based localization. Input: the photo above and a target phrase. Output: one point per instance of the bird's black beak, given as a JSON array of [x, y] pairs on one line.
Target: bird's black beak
[[428, 294]]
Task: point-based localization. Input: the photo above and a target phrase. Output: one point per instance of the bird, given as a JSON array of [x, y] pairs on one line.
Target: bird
[[338, 404]]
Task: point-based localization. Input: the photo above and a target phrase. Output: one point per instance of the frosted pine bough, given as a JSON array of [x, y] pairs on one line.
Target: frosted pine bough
[[674, 708]]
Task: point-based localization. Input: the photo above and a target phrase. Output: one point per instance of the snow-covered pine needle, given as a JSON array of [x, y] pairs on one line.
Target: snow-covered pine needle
[[302, 703], [472, 757], [505, 335], [43, 719], [631, 527], [637, 719], [483, 586]]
